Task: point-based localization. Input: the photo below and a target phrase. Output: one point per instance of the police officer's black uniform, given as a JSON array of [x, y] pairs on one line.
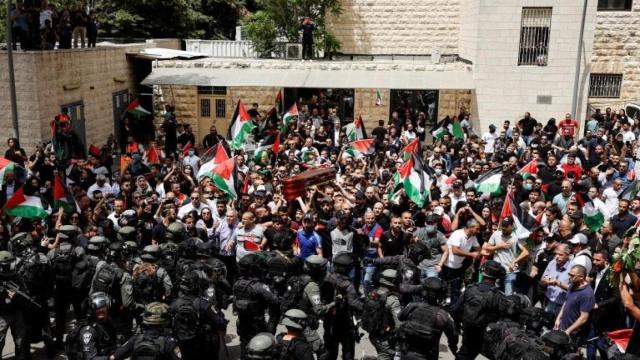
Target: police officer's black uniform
[[96, 337], [339, 326], [251, 299], [12, 309]]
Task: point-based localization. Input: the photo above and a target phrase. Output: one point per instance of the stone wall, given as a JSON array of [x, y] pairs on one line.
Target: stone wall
[[365, 104], [185, 99], [616, 50], [384, 27], [450, 102]]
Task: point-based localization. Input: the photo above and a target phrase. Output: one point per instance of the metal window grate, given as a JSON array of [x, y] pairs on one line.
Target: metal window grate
[[205, 107], [615, 5], [212, 90], [221, 108], [605, 85], [534, 36]]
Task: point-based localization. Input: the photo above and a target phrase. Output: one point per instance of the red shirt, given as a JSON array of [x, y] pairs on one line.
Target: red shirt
[[567, 127]]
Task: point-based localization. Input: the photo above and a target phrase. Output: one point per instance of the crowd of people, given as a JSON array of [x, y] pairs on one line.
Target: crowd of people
[[148, 256], [39, 25]]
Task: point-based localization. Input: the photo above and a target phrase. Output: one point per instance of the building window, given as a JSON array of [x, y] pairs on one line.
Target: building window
[[615, 5], [221, 108], [605, 85], [205, 108], [212, 90], [534, 36]]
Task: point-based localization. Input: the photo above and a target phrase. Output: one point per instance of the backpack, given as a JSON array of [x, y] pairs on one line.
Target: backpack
[[72, 346], [517, 345], [375, 316], [475, 307], [83, 272], [62, 263], [243, 298], [148, 349], [186, 321], [146, 286], [420, 328], [295, 290], [37, 274], [107, 280]]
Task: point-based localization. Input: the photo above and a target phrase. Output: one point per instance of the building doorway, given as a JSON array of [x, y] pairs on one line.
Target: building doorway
[[76, 115], [323, 99], [410, 103], [212, 110]]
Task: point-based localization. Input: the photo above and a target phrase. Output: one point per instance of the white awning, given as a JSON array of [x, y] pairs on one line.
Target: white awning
[[312, 78], [166, 54]]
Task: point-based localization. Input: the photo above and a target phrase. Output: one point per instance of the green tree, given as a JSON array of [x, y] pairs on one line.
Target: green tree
[[285, 17]]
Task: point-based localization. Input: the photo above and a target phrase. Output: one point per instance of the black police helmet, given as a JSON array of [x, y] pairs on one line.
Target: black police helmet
[[493, 269]]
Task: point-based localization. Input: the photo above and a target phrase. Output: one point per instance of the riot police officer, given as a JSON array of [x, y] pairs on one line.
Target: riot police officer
[[251, 299], [315, 268], [407, 269], [293, 343], [11, 308], [94, 338], [151, 282], [263, 346], [112, 279], [424, 322], [479, 306], [175, 232], [340, 327], [197, 321], [380, 314], [63, 260], [152, 343], [35, 270]]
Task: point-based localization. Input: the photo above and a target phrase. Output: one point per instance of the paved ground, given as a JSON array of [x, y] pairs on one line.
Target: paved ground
[[363, 349]]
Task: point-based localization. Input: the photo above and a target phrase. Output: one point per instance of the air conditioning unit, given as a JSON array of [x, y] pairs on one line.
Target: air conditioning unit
[[293, 51]]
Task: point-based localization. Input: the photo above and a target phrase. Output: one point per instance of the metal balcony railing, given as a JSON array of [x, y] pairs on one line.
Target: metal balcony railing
[[223, 48]]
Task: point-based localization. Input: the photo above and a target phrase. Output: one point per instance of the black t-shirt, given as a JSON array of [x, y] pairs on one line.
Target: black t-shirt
[[527, 126], [391, 245], [307, 31], [159, 232], [379, 133]]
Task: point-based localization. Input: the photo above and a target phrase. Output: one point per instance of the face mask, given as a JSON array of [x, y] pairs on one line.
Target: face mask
[[438, 172], [526, 186], [191, 152], [430, 229]]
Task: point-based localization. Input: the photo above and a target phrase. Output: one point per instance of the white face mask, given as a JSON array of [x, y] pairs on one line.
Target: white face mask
[[438, 171]]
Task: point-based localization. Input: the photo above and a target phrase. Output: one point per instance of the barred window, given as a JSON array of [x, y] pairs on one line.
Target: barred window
[[534, 36], [615, 5], [605, 85], [221, 108], [212, 90], [205, 107]]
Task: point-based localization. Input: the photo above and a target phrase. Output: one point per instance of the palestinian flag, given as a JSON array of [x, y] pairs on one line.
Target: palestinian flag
[[509, 209], [289, 118], [25, 206], [621, 338], [6, 167], [279, 103], [356, 131], [490, 182], [378, 98], [306, 155], [136, 109], [438, 133], [593, 218], [631, 191], [455, 129], [62, 197], [240, 127], [186, 148], [224, 177], [412, 148], [270, 143], [361, 147], [152, 156], [530, 169], [207, 168], [414, 179]]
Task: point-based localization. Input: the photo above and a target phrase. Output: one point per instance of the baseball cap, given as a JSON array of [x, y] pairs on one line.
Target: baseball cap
[[578, 239], [577, 215], [438, 210], [260, 193], [508, 221], [307, 217], [341, 215]]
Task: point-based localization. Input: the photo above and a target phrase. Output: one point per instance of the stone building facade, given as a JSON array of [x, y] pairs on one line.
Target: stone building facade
[[88, 81], [616, 51]]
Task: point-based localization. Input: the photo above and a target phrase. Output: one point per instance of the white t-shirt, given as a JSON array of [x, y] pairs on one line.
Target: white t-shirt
[[628, 136], [490, 142], [610, 201], [459, 238]]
